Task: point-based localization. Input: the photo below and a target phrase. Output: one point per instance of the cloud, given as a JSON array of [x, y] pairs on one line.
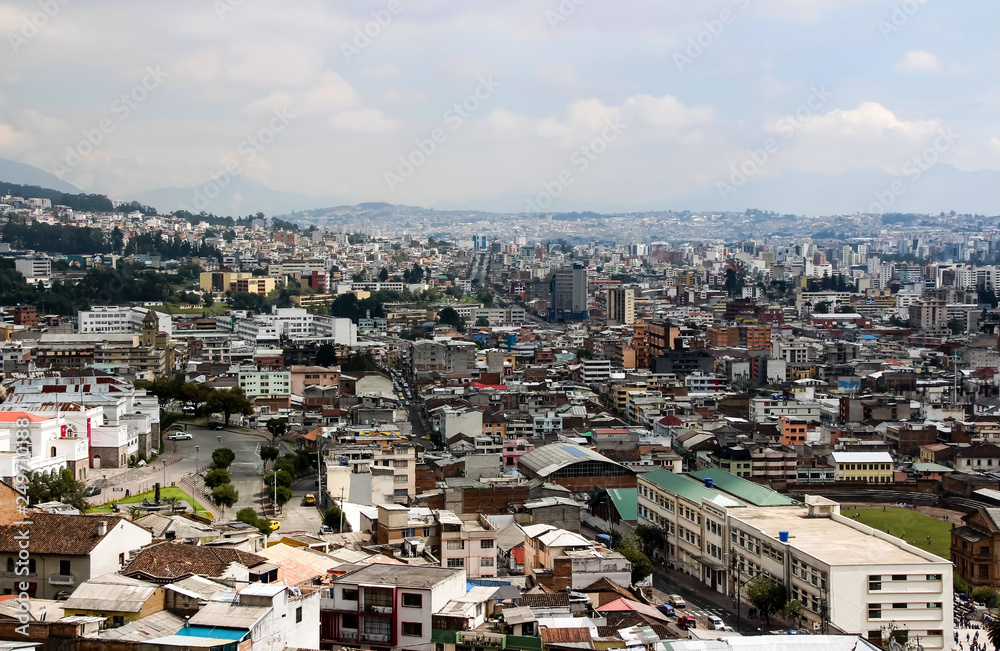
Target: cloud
[[364, 120], [919, 61]]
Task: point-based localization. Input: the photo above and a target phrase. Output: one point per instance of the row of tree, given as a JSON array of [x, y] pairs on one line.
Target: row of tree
[[204, 400], [217, 480]]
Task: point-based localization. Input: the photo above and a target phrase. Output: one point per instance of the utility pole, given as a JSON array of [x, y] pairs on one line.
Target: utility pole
[[341, 509]]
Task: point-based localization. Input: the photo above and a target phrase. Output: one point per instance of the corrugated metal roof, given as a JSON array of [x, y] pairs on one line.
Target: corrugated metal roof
[[145, 629], [626, 501], [756, 494], [111, 593], [547, 459], [229, 615]]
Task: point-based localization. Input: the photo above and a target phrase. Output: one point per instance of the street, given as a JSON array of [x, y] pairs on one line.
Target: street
[[181, 458], [698, 606]]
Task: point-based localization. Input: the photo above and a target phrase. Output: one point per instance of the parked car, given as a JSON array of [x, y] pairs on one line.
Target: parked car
[[91, 491], [715, 623], [180, 436], [676, 601], [323, 530], [309, 500], [666, 609], [216, 426], [686, 622]]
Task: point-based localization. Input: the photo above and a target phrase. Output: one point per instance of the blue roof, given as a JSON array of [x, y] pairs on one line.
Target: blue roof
[[214, 632], [575, 450]]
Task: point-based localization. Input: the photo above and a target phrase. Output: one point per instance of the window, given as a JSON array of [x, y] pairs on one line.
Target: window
[[298, 614], [486, 544], [456, 562], [64, 568], [349, 621], [399, 464], [52, 451], [984, 571], [413, 629], [874, 586], [934, 604], [933, 577], [485, 562], [898, 577], [456, 544], [408, 533], [413, 600], [899, 606], [400, 479], [874, 611], [348, 594]]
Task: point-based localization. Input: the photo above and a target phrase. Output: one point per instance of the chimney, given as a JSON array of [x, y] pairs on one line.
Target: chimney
[[102, 528]]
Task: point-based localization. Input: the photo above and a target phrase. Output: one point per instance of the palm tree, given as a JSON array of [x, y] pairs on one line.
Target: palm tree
[[133, 512], [173, 502], [993, 633]]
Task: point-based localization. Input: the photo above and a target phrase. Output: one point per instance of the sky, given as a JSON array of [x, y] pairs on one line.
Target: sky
[[631, 103]]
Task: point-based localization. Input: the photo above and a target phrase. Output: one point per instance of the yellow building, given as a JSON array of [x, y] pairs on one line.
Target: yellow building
[[220, 281], [119, 598], [621, 396], [869, 467]]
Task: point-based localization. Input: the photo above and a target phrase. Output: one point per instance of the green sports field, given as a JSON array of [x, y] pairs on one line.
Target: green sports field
[[914, 527]]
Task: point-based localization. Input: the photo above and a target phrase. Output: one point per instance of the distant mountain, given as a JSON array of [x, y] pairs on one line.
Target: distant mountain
[[14, 172], [240, 197]]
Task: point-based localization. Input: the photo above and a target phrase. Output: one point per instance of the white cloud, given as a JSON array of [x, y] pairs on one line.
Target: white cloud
[[919, 61], [364, 120]]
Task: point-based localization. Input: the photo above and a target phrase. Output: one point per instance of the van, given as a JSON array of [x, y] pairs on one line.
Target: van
[[715, 623]]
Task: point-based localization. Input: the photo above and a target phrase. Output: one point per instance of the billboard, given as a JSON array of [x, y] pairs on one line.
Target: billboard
[[849, 383]]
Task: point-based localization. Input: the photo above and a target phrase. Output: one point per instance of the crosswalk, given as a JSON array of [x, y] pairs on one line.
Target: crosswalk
[[700, 614]]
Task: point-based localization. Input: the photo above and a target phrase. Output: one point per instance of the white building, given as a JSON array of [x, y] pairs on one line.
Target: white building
[[764, 409], [113, 319], [36, 266], [294, 323], [265, 384], [594, 371], [36, 443]]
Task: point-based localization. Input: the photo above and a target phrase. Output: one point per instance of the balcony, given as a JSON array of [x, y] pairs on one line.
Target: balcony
[[62, 579], [377, 638]]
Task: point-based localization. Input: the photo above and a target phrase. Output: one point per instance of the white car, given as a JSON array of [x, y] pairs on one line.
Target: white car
[[715, 623], [180, 436]]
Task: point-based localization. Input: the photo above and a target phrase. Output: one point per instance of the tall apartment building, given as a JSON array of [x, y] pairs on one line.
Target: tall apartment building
[[929, 315], [35, 266], [444, 356], [621, 305], [569, 294]]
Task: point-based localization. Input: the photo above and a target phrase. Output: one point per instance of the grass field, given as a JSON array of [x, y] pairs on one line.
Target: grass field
[[916, 526], [169, 491]]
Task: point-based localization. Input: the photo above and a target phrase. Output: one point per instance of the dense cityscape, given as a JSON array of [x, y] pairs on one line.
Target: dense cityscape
[[529, 325]]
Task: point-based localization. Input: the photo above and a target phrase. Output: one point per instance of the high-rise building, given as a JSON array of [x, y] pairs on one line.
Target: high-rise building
[[621, 305], [569, 294]]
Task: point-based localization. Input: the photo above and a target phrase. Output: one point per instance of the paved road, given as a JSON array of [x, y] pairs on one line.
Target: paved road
[[697, 605]]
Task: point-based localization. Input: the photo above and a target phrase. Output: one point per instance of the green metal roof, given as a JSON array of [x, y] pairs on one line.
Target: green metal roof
[[626, 501], [444, 637], [744, 489], [681, 485], [931, 467], [523, 643]]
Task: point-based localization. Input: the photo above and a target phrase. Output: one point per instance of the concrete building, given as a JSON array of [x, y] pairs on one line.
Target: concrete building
[[114, 319], [569, 292], [34, 267], [468, 540], [444, 356], [378, 606], [621, 306], [265, 384], [563, 560], [868, 467]]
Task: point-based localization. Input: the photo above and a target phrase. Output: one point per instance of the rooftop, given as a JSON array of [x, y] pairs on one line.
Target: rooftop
[[836, 543], [690, 490], [744, 489], [391, 575], [547, 459]]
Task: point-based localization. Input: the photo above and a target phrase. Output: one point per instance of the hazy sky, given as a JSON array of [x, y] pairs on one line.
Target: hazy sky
[[628, 102]]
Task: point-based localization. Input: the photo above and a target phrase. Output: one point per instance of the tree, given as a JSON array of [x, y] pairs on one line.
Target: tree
[[225, 495], [584, 353], [117, 240], [268, 453], [993, 632], [332, 519], [216, 478], [208, 299], [248, 516], [284, 478], [986, 596], [228, 402], [642, 567], [55, 487], [482, 322], [326, 354], [651, 538], [222, 458], [277, 428], [383, 275], [767, 595], [792, 610], [284, 495], [448, 316], [173, 502]]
